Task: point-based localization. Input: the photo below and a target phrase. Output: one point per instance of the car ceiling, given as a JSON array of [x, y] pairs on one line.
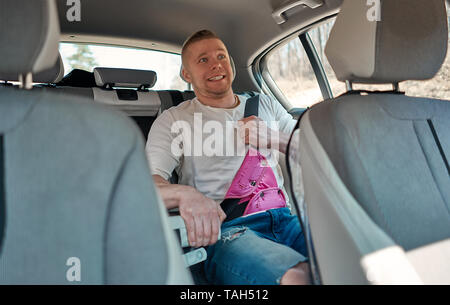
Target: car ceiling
[[246, 26]]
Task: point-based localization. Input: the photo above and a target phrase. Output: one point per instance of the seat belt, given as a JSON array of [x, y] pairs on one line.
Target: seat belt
[[230, 206], [251, 106]]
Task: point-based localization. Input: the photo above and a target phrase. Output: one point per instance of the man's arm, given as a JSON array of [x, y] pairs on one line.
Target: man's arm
[[202, 215], [170, 193], [280, 142], [255, 131]]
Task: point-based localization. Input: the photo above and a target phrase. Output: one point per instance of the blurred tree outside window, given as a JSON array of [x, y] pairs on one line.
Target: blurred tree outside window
[[82, 59], [292, 72]]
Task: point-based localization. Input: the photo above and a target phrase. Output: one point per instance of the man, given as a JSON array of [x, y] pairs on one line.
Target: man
[[261, 248]]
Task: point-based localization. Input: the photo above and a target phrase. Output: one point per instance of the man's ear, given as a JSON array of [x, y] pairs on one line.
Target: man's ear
[[186, 75]]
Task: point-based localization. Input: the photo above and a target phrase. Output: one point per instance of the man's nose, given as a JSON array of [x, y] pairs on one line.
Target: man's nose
[[216, 64]]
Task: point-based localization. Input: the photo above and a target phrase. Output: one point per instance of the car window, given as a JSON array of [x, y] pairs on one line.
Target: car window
[[292, 72], [87, 57], [437, 87]]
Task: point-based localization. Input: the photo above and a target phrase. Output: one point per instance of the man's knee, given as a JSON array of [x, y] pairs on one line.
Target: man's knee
[[297, 275]]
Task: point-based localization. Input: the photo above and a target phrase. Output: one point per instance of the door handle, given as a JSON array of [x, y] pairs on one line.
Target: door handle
[[278, 13]]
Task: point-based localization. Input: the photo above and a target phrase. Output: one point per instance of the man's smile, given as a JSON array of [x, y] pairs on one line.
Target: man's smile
[[216, 78]]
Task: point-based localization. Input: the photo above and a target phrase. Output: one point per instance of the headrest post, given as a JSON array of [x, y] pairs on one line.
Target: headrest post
[[396, 87], [349, 85], [26, 82]]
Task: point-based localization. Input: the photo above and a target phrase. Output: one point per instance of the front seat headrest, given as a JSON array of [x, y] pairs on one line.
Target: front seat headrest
[[408, 42], [233, 68], [29, 36], [51, 75]]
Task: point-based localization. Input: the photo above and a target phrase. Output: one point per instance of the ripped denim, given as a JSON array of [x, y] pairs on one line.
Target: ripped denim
[[256, 250]]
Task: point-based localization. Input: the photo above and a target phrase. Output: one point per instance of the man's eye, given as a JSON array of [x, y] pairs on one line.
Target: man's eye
[[202, 60]]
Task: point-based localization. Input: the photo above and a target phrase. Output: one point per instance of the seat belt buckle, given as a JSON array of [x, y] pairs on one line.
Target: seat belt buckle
[[195, 256]]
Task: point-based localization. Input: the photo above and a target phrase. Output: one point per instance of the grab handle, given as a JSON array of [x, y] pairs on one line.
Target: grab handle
[[278, 13]]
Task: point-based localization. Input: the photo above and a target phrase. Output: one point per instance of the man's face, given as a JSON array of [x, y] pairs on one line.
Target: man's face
[[206, 65]]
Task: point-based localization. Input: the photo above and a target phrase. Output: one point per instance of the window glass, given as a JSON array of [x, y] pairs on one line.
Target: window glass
[[87, 57], [291, 71]]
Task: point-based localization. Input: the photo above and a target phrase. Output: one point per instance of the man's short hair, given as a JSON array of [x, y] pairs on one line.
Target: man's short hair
[[197, 36]]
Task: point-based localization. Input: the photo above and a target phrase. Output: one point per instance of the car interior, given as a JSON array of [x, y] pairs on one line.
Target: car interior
[[367, 169]]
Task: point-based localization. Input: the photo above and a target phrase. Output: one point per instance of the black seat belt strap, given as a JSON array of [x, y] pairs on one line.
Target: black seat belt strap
[[251, 106]]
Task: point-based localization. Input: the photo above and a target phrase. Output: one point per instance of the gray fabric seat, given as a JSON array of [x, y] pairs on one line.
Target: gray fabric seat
[[76, 179], [49, 76], [371, 140], [375, 165]]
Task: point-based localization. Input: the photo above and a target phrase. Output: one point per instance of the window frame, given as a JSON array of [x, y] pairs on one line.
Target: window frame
[[269, 86]]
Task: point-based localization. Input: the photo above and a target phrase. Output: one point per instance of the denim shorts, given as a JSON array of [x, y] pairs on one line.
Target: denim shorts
[[256, 250]]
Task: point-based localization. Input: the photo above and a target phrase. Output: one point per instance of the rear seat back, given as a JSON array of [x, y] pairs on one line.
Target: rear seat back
[[126, 90], [170, 98]]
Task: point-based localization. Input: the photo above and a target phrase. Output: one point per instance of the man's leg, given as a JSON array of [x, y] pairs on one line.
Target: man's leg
[[298, 275], [242, 257], [288, 231]]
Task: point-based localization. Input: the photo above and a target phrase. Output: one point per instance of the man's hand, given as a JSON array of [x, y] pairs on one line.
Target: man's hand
[[254, 131], [203, 218], [202, 215]]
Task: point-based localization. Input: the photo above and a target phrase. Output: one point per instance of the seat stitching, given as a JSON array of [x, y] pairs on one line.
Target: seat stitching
[[429, 166]]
